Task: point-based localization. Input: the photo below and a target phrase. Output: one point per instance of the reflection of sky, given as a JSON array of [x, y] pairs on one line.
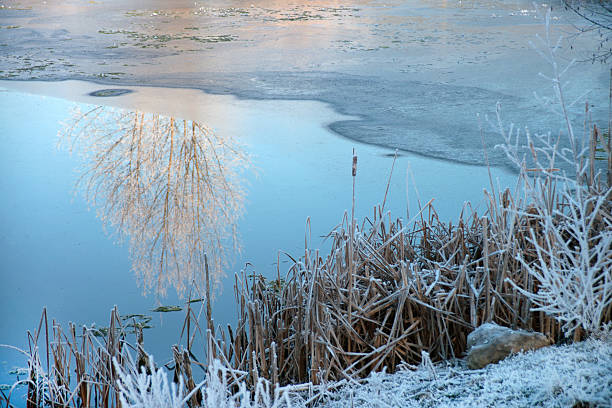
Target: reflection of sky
[[55, 253]]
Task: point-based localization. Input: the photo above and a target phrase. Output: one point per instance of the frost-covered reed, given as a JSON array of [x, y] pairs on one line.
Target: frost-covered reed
[[152, 389]]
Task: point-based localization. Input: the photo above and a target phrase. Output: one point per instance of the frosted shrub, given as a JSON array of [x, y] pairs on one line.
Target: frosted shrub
[[573, 234], [265, 395], [574, 263]]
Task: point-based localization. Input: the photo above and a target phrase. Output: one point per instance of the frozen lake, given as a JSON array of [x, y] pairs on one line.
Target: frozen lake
[[292, 86], [415, 73]]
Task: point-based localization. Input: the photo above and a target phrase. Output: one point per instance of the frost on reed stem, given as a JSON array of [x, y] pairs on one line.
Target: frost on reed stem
[[169, 186], [143, 390], [572, 237]]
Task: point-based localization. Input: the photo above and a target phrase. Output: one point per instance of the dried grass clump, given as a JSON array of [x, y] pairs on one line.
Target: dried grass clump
[[96, 369], [384, 294]]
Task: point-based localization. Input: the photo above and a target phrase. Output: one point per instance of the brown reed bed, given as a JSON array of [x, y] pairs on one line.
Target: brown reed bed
[[74, 367], [387, 292], [384, 294]]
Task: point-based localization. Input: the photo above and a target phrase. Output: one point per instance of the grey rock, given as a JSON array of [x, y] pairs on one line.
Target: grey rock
[[491, 343]]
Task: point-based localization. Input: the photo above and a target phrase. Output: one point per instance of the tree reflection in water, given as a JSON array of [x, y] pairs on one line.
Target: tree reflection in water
[[169, 187]]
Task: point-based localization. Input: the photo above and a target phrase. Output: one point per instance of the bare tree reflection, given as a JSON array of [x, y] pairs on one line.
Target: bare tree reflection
[[170, 187]]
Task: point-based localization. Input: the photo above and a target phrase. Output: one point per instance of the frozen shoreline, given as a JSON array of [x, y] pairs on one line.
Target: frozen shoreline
[[575, 375]]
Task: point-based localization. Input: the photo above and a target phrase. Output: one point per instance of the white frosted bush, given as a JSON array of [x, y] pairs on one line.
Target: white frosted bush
[[574, 266], [573, 242]]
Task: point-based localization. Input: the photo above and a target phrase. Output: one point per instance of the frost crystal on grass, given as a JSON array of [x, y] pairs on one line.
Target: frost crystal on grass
[[142, 390], [153, 390]]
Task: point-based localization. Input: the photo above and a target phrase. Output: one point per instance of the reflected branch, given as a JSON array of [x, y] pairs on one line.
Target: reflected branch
[[169, 187]]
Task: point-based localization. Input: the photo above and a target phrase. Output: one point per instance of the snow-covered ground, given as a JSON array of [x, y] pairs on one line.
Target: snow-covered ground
[[575, 375], [558, 376]]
